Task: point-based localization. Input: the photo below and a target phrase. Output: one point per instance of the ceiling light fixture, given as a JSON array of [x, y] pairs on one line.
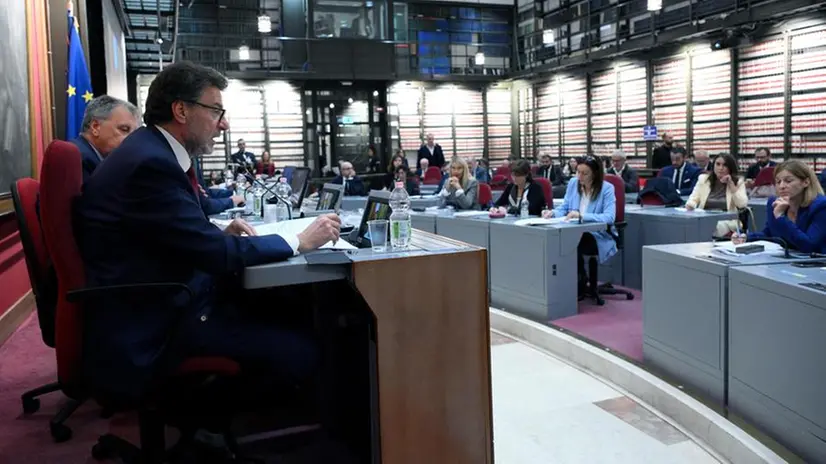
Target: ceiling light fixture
[[548, 37], [479, 59], [243, 52], [655, 5], [264, 24]]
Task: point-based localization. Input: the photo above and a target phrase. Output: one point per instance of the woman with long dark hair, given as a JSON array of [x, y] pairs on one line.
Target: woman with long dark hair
[[721, 189], [522, 188]]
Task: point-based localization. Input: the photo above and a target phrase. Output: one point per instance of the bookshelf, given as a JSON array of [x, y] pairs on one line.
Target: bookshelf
[[498, 103], [437, 118], [574, 111], [711, 100], [808, 96], [547, 118], [669, 97], [603, 100], [468, 123], [632, 117], [527, 133], [404, 100], [284, 121]]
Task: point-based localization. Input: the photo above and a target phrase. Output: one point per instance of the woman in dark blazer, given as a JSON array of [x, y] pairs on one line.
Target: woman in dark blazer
[[798, 213], [521, 188], [390, 177]]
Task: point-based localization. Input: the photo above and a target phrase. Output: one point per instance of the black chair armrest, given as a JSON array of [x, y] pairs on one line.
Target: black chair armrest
[[83, 294]]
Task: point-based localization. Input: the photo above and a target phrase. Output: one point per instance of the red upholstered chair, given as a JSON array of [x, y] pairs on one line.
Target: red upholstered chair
[[60, 186], [619, 225], [499, 182], [765, 177], [503, 171], [485, 195], [432, 176], [25, 193], [547, 190]]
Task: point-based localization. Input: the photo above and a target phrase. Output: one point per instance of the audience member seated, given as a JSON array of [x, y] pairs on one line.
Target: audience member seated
[[683, 175], [701, 160], [265, 166], [722, 189], [550, 171], [460, 189], [410, 185], [480, 170], [445, 171], [217, 187], [569, 170], [798, 213], [763, 159], [521, 188], [106, 122], [619, 167], [424, 163], [243, 158], [353, 185], [146, 192], [432, 152], [589, 198], [373, 160], [390, 177]]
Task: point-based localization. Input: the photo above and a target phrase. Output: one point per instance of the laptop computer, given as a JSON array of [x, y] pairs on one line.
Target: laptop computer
[[299, 181], [330, 197]]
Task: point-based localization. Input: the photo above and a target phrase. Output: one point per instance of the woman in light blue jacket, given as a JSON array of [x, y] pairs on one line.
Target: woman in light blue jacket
[[590, 199]]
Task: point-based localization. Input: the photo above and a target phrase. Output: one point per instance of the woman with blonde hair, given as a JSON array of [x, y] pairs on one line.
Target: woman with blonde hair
[[798, 213], [723, 189], [460, 188]]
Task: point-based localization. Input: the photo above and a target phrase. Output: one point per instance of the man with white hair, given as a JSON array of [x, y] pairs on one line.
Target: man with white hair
[[702, 161], [106, 122], [432, 152], [353, 185], [620, 168]]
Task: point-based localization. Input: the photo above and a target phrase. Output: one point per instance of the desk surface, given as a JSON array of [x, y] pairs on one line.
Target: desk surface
[[678, 213], [704, 251]]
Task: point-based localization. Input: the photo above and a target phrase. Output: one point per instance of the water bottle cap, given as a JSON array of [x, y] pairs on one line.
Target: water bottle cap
[[399, 185], [283, 180]]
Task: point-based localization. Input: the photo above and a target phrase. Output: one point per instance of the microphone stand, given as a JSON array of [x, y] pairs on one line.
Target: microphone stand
[[780, 242], [252, 180]]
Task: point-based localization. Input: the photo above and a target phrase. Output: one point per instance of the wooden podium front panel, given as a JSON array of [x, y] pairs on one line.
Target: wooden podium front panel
[[433, 356]]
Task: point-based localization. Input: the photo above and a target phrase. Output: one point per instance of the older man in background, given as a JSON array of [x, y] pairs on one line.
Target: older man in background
[[106, 122], [702, 161], [619, 167]]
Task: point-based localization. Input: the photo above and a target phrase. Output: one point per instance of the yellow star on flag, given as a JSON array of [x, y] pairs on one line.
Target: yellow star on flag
[[88, 96], [71, 91]]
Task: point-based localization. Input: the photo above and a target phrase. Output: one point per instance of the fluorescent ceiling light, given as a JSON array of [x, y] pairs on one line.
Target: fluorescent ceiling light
[[243, 52], [655, 5], [479, 59], [548, 36], [264, 24]]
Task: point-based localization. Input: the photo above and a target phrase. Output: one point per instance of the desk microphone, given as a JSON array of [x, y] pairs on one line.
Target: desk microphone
[[252, 180], [780, 242]]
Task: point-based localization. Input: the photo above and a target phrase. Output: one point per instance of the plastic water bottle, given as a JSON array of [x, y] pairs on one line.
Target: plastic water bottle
[[400, 217], [523, 209], [258, 202], [283, 190]]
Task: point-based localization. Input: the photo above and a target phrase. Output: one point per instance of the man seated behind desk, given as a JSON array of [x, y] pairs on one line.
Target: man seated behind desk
[[140, 220], [106, 122], [683, 174], [619, 167], [353, 185], [798, 213]]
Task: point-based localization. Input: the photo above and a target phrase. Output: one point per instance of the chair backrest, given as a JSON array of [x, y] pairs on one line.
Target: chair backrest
[[650, 199], [502, 171], [25, 193], [499, 182], [484, 195], [534, 169], [765, 177], [619, 194], [61, 180], [547, 190], [432, 176]]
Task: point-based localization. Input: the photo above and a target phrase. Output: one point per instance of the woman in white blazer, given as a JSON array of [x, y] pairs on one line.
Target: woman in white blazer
[[721, 189]]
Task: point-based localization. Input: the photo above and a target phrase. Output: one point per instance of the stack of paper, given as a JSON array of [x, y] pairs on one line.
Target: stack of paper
[[729, 248], [539, 221], [295, 227], [470, 213]]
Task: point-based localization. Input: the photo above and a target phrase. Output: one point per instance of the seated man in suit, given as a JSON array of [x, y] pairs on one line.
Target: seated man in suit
[[106, 122], [620, 168], [243, 158], [353, 185], [762, 159], [683, 175], [140, 220], [550, 171], [701, 160]]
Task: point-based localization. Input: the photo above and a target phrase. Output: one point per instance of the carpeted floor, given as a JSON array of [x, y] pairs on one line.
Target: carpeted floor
[[617, 325]]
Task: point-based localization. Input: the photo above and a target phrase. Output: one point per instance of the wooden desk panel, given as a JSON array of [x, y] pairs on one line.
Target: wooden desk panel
[[433, 356]]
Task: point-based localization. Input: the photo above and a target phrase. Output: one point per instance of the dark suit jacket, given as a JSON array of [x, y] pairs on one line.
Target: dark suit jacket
[[436, 159], [553, 173], [690, 175], [629, 177], [140, 220], [89, 159], [244, 159], [661, 157], [807, 233], [536, 199], [754, 169], [354, 187]]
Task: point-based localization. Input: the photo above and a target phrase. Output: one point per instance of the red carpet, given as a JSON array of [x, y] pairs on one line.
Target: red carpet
[[617, 325]]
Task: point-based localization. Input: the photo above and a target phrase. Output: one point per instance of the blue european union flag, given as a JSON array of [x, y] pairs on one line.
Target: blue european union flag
[[79, 89]]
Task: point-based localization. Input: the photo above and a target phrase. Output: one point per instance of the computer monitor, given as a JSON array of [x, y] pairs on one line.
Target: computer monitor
[[330, 197], [298, 183], [377, 207]]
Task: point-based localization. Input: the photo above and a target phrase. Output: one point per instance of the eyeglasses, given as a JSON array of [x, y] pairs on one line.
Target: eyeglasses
[[216, 110]]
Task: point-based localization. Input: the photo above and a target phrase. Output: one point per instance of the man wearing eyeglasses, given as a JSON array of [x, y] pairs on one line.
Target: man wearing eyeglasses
[[140, 219]]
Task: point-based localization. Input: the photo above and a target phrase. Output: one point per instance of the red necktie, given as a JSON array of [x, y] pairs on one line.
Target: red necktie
[[194, 181]]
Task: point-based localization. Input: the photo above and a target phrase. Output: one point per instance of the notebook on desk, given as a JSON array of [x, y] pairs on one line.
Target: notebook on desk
[[295, 227]]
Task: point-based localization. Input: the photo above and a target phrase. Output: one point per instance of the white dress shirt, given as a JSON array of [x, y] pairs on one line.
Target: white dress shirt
[[185, 162]]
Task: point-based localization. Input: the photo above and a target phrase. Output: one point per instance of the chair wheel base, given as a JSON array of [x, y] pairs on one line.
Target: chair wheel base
[[60, 432], [629, 297], [31, 405]]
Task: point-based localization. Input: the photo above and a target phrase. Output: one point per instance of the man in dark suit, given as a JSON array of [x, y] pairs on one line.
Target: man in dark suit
[[662, 154], [619, 167], [763, 159], [549, 171], [683, 174], [353, 185], [243, 157], [106, 122], [432, 151], [702, 161], [140, 220]]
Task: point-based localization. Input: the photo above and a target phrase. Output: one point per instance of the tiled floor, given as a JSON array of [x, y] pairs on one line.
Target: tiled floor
[[546, 411]]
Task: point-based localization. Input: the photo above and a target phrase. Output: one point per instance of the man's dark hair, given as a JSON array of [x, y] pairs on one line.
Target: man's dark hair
[[764, 150], [181, 81], [679, 151]]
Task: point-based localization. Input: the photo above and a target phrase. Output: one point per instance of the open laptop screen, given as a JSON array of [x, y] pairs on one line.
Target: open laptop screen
[[298, 185], [330, 197], [378, 207]]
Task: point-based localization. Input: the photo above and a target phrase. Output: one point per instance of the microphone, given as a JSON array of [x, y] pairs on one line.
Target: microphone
[[780, 242], [252, 180]]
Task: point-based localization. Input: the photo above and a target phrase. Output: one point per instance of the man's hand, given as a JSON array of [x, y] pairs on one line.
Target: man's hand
[[240, 227], [324, 229], [237, 199], [749, 183]]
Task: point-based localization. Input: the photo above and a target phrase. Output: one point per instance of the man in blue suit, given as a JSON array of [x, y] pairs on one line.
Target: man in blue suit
[[683, 174], [106, 122], [140, 219]]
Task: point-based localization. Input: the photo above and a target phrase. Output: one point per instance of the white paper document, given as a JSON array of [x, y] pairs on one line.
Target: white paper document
[[539, 221], [295, 227], [470, 213], [729, 248], [686, 210]]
